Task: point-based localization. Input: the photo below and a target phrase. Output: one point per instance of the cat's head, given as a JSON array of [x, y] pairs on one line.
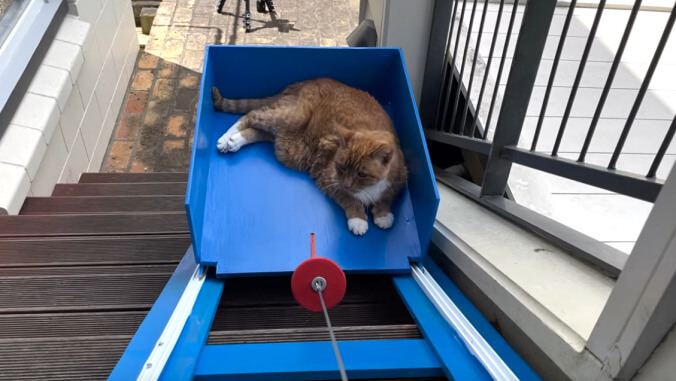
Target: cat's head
[[363, 158]]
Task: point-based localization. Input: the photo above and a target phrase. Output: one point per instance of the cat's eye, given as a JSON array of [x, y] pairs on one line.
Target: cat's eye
[[341, 167], [362, 174]]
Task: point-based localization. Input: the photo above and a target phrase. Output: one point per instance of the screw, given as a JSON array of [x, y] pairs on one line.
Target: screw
[[318, 284]]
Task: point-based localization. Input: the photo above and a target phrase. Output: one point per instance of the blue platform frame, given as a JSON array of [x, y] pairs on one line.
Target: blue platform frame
[[441, 352], [261, 242], [250, 195]]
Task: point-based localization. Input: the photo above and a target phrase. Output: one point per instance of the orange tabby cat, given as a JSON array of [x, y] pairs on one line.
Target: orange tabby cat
[[340, 135]]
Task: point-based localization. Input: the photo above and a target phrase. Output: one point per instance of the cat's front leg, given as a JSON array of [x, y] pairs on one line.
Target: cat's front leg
[[382, 214], [357, 220]]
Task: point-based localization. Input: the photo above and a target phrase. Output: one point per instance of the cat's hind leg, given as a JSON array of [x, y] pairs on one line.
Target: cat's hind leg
[[276, 118], [244, 137], [268, 120]]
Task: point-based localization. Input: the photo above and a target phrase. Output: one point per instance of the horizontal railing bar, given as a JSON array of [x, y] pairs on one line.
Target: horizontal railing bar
[[604, 257], [626, 183], [464, 142]]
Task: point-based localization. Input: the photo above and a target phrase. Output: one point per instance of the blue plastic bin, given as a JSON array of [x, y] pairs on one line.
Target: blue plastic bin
[[250, 215]]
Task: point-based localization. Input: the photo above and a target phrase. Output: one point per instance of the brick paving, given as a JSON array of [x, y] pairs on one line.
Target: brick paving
[[154, 130]]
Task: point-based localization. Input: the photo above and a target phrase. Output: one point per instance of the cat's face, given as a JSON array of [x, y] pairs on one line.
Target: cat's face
[[362, 161]]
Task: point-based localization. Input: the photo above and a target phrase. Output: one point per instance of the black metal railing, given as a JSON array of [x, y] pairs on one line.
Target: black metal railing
[[454, 115]]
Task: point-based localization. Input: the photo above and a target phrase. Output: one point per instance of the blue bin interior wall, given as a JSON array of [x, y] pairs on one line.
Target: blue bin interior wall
[[199, 164], [243, 72]]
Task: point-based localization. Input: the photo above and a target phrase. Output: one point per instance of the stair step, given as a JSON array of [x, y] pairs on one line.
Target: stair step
[[81, 358], [151, 177], [304, 334], [93, 224], [97, 250], [69, 324], [62, 271], [121, 189], [102, 204], [95, 292]]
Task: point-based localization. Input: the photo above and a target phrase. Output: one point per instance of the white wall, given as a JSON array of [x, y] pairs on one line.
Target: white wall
[[66, 118], [661, 365], [404, 24]]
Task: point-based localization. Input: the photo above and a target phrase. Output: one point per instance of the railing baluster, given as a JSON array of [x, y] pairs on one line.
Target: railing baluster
[[488, 68], [462, 69], [455, 54], [663, 149], [644, 88], [609, 81], [552, 75], [515, 7], [578, 77], [436, 65], [531, 43], [471, 73]]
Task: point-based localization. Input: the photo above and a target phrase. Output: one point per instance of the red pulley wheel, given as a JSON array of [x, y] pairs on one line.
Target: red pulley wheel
[[307, 272], [301, 283]]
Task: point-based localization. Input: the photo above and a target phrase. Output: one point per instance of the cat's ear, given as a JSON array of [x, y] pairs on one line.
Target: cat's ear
[[331, 143], [383, 153], [344, 133]]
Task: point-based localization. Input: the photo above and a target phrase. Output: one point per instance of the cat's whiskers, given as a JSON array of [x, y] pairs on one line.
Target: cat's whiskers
[[333, 186]]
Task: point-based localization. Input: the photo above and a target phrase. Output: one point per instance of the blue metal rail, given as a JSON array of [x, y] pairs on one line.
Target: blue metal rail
[[458, 343]]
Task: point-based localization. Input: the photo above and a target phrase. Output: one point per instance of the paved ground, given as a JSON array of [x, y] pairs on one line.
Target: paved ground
[[4, 4], [155, 126]]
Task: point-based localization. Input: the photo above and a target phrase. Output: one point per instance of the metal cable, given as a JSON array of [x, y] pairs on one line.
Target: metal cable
[[341, 367]]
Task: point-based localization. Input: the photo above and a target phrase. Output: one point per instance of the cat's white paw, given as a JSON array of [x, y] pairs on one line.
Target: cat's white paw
[[236, 142], [357, 226], [225, 138], [384, 222], [223, 143]]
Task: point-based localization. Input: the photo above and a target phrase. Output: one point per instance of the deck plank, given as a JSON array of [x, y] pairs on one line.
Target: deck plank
[[32, 326], [150, 177], [102, 204], [78, 251], [121, 189], [93, 224], [91, 292], [57, 359]]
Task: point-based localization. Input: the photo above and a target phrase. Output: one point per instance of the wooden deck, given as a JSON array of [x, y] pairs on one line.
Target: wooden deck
[[80, 270], [79, 273]]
